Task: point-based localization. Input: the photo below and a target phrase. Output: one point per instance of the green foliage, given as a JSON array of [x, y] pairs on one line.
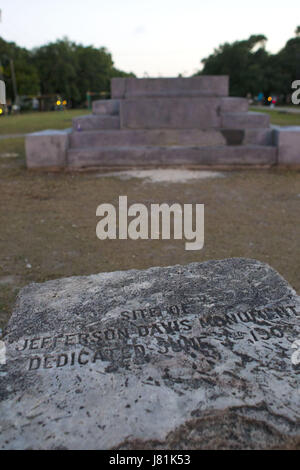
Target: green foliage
[[57, 66], [26, 73], [62, 67], [252, 69], [94, 70]]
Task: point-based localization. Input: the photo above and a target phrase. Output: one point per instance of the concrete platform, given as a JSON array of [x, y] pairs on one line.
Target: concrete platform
[[167, 121]]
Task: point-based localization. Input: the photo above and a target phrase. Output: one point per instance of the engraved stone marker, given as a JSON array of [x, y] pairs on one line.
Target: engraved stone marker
[[196, 356]]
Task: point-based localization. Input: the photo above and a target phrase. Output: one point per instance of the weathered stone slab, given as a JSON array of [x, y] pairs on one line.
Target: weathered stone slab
[[47, 148], [205, 85], [288, 141], [200, 356], [181, 113]]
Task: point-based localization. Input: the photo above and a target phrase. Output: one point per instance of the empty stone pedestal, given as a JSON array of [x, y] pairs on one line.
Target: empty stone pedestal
[[165, 121]]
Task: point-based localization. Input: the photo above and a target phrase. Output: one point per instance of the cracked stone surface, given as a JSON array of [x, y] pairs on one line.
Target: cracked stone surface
[[199, 356]]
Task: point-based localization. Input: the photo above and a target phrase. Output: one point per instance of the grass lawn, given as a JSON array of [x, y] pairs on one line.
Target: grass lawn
[[12, 146], [48, 223], [280, 118], [32, 122], [48, 220]]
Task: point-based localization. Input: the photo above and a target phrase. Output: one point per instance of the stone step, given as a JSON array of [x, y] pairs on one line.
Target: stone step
[[228, 104], [186, 137], [97, 121], [171, 113], [205, 85], [111, 107], [248, 136], [264, 136], [172, 155], [232, 104], [133, 137], [238, 120]]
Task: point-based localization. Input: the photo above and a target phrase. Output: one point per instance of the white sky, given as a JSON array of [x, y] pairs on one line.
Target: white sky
[[157, 37]]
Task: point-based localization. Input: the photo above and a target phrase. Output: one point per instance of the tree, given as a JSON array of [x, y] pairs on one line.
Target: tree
[[62, 67], [71, 69], [252, 69], [289, 63], [57, 67], [244, 61], [94, 69], [26, 73]]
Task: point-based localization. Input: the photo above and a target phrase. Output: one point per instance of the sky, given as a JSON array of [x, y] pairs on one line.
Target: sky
[[150, 37]]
